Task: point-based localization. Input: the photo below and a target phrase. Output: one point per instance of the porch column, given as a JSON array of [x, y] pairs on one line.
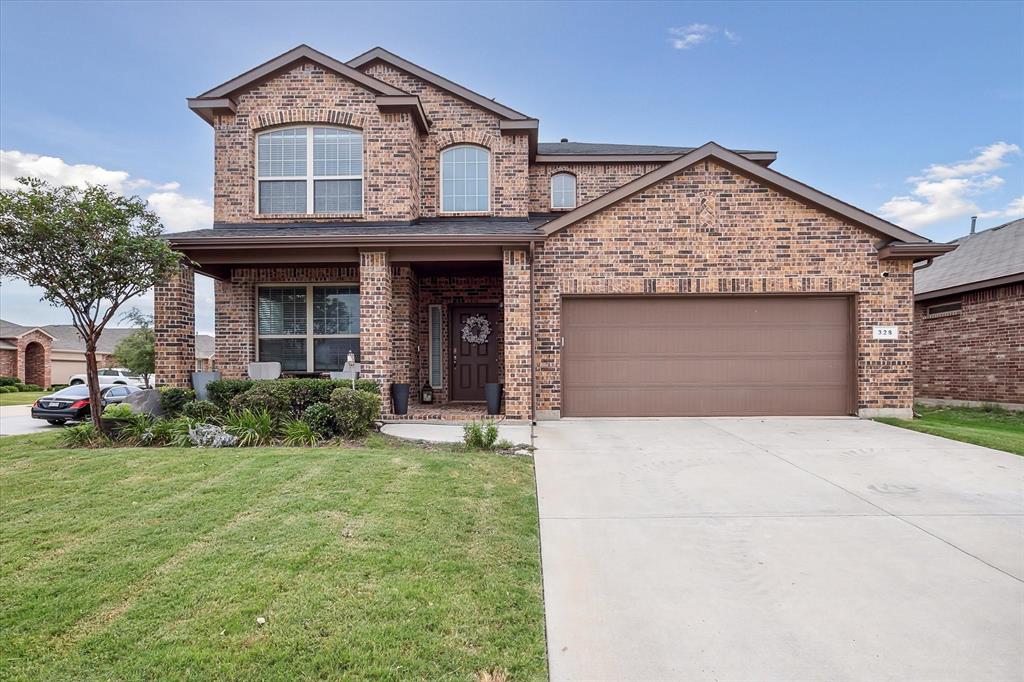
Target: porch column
[[375, 320], [405, 326], [518, 334], [174, 328]]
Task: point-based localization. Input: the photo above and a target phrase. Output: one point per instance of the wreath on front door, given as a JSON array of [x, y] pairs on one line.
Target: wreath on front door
[[476, 329]]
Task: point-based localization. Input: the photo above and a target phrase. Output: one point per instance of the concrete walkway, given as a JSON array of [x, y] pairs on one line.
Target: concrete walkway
[[778, 549], [516, 432]]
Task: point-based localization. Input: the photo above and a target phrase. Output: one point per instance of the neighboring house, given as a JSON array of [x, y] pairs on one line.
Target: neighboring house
[[59, 351], [373, 206], [969, 321], [25, 353]]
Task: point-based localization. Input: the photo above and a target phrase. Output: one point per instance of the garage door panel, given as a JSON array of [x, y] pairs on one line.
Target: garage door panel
[[706, 356]]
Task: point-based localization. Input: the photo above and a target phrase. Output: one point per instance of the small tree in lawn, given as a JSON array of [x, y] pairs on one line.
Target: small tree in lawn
[[89, 250], [136, 351]]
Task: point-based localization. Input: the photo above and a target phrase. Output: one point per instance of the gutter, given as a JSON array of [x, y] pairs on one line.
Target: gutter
[[279, 241]]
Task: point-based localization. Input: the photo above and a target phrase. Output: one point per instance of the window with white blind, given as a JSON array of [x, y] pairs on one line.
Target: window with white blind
[[436, 356], [563, 190], [465, 180], [306, 327], [309, 170]]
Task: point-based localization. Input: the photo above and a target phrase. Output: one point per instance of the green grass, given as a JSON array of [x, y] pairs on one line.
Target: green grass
[[393, 563], [26, 398], [993, 428]]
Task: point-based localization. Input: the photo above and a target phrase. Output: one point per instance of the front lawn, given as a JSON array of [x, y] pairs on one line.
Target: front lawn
[[993, 428], [376, 563], [21, 398]]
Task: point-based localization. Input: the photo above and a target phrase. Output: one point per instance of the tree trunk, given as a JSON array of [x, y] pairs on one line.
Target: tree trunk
[[92, 378]]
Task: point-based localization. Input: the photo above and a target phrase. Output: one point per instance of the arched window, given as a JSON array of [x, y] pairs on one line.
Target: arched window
[[465, 180], [309, 169], [563, 190]]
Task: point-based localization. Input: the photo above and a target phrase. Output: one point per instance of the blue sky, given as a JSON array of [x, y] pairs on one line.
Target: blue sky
[[914, 111]]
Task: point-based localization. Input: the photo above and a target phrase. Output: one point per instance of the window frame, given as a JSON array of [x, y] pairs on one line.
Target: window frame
[[950, 312], [309, 336], [309, 178], [575, 191], [440, 179]]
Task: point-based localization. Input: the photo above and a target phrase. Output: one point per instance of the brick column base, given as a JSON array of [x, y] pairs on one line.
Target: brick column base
[[518, 337], [174, 328]]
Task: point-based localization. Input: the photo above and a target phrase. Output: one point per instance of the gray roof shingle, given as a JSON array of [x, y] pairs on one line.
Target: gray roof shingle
[[456, 227], [66, 337], [600, 148], [986, 255]]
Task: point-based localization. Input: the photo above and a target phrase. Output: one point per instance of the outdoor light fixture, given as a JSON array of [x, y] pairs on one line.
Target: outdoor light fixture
[[427, 394]]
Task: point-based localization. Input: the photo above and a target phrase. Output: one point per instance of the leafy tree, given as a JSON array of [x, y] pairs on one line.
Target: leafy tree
[[136, 351], [89, 250]]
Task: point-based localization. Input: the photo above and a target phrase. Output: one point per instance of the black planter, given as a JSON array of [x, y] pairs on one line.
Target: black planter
[[400, 398], [492, 392]]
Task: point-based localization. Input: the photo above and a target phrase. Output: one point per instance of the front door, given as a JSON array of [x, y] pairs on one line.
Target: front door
[[474, 361]]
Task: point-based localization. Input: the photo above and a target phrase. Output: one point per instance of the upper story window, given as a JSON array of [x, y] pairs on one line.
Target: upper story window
[[465, 180], [309, 170], [563, 190]]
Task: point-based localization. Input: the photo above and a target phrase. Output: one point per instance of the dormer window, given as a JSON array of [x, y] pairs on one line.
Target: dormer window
[[563, 191], [309, 170], [465, 180]]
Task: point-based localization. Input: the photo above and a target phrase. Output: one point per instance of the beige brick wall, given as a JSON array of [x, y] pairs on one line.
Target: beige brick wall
[[710, 230], [518, 336], [310, 94], [592, 180], [453, 122]]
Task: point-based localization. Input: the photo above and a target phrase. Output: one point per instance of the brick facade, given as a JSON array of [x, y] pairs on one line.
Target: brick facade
[[29, 360], [518, 333], [709, 230], [174, 327], [375, 319], [975, 354], [592, 180]]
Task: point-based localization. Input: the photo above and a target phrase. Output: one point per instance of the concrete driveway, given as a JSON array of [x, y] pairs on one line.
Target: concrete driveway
[[778, 549], [17, 419]]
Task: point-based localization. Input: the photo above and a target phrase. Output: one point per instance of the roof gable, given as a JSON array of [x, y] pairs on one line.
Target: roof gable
[[380, 54], [220, 99], [744, 166]]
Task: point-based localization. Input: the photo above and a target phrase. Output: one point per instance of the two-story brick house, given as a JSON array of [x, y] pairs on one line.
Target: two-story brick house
[[373, 206]]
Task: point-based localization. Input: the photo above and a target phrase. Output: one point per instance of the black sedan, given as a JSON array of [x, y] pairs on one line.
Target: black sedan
[[72, 403]]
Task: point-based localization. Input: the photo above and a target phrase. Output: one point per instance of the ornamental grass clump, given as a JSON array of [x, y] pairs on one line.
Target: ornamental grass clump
[[298, 433], [83, 436], [480, 435], [250, 427]]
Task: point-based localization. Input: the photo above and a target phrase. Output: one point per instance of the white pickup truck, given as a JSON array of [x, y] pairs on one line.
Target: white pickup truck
[[111, 375]]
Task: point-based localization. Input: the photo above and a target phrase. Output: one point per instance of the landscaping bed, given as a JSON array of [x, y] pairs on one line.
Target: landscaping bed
[[991, 427], [376, 561]]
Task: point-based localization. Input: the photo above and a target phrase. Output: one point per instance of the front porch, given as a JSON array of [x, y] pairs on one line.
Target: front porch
[[430, 319]]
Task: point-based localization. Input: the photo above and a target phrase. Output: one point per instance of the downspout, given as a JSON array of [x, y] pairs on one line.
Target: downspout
[[927, 263]]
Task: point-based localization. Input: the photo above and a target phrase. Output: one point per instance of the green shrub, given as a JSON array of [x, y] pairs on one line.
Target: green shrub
[[173, 399], [320, 417], [203, 411], [298, 433], [82, 436], [263, 398], [221, 391], [8, 389], [57, 387], [31, 387], [117, 411], [9, 381], [480, 435], [250, 427], [298, 393], [355, 411]]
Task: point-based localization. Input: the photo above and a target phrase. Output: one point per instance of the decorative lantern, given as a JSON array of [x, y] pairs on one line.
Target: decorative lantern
[[427, 394]]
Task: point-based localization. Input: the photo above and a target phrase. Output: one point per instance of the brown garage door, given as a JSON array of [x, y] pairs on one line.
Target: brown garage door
[[660, 357]]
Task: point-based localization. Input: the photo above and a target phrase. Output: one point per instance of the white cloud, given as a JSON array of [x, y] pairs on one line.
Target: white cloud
[[947, 191], [177, 211], [690, 36], [732, 36]]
